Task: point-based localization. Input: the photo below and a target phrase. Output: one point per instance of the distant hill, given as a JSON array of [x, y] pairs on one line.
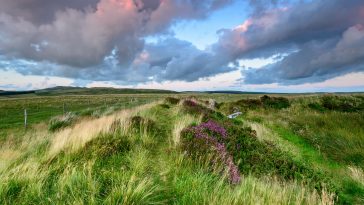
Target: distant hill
[[232, 92], [64, 90], [11, 93]]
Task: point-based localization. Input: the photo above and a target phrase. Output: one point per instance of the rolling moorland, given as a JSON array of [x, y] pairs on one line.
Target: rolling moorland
[[181, 148]]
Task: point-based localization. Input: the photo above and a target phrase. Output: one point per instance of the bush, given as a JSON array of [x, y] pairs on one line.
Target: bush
[[250, 103], [172, 100], [164, 106], [316, 106], [275, 102], [192, 107], [59, 122], [246, 104], [342, 103]]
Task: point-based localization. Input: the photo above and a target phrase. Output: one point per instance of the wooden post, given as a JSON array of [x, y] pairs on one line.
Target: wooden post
[[64, 108], [25, 118]]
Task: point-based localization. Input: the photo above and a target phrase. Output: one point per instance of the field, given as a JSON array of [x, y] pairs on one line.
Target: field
[[181, 148]]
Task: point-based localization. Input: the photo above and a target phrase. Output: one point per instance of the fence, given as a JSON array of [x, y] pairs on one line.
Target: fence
[[23, 113]]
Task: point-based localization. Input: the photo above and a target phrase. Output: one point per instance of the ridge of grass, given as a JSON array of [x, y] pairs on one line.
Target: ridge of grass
[[134, 157]]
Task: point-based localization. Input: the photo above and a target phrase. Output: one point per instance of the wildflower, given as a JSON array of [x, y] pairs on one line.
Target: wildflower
[[189, 103], [208, 131], [214, 127]]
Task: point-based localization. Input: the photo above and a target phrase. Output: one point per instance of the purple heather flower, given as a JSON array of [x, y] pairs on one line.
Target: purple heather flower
[[214, 127], [200, 133], [189, 103]]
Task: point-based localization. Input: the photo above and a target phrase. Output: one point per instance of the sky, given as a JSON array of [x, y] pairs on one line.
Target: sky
[[244, 45]]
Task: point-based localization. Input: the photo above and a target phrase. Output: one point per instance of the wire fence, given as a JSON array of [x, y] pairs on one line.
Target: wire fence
[[27, 112]]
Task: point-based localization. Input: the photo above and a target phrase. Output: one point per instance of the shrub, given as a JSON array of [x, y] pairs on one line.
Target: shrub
[[316, 106], [172, 100], [59, 122], [164, 106], [192, 107], [189, 103], [246, 104], [330, 102], [275, 102], [250, 103], [342, 103]]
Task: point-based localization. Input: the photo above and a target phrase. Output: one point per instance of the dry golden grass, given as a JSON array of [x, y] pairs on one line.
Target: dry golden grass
[[73, 138], [357, 174], [7, 155], [182, 123]]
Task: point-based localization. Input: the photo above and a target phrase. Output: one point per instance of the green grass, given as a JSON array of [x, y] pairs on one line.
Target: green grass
[[131, 152], [134, 157], [328, 140], [42, 109], [350, 191]]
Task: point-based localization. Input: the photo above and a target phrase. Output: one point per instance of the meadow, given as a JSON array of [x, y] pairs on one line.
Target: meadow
[[182, 149]]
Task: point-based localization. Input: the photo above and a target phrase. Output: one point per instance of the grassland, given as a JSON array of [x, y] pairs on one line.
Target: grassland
[[178, 149]]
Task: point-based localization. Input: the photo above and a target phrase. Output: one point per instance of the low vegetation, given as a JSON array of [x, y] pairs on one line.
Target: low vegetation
[[265, 102], [59, 122], [184, 150]]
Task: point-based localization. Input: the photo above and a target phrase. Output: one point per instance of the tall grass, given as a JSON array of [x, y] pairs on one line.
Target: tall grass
[[328, 140], [132, 157]]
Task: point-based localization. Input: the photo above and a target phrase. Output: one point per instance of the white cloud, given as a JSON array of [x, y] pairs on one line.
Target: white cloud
[[11, 80]]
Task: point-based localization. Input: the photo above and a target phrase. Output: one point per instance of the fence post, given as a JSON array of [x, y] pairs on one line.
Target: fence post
[[25, 118], [64, 108]]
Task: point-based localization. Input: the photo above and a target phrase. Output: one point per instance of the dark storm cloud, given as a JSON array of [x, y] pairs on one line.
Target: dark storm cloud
[[326, 35]]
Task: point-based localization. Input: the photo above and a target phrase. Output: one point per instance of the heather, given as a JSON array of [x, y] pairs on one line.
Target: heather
[[209, 139]]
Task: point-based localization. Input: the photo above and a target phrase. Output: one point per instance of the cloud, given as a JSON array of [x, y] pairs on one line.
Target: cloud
[[42, 11], [352, 82], [323, 38], [11, 80], [173, 59], [166, 60], [103, 40], [73, 39]]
